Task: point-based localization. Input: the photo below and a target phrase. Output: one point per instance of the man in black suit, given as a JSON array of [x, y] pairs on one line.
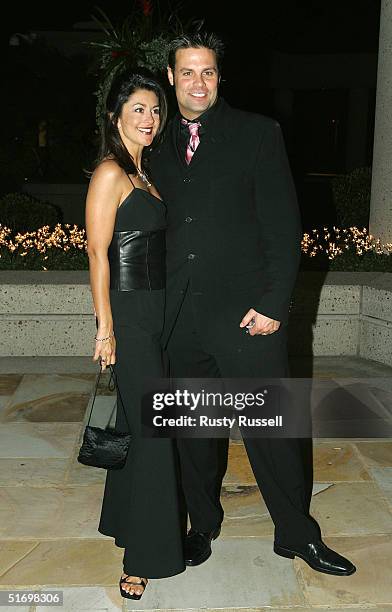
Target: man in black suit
[[233, 250]]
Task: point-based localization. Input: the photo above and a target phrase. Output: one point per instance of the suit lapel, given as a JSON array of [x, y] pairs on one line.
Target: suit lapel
[[174, 136], [208, 149], [210, 143]]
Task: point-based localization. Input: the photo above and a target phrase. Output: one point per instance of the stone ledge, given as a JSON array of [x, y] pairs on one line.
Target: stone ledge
[[335, 313], [44, 277]]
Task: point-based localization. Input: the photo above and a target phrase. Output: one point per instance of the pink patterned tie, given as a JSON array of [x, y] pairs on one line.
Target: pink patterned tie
[[194, 139]]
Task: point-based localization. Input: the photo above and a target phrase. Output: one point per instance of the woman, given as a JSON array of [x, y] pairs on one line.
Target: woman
[[125, 222]]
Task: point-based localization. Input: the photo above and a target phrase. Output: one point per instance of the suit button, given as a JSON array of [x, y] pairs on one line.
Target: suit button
[[191, 256], [187, 179], [188, 220]]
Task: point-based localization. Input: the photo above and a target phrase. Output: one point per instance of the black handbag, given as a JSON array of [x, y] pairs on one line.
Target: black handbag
[[105, 448]]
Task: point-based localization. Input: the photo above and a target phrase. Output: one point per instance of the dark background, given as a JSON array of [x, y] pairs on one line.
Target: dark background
[[47, 85]]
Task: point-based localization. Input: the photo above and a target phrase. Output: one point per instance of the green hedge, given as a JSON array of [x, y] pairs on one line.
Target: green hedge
[[351, 194], [349, 261], [23, 213], [56, 260]]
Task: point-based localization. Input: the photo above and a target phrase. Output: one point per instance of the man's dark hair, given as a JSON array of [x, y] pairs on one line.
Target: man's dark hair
[[197, 40]]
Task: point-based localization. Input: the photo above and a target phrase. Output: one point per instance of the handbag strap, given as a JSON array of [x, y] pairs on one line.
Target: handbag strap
[[112, 377]]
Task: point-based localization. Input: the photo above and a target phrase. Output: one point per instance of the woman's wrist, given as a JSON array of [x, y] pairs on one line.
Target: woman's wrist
[[104, 324], [101, 338]]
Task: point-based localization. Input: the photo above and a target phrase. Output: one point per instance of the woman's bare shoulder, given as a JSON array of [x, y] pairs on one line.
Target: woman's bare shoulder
[[107, 170]]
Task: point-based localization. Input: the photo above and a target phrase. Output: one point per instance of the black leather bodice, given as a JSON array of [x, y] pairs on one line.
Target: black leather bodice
[[137, 250]]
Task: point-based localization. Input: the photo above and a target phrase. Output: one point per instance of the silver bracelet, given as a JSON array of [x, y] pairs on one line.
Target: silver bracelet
[[102, 339]]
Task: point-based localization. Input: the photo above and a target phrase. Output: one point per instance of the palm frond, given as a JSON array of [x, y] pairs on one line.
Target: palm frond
[[141, 39], [105, 23]]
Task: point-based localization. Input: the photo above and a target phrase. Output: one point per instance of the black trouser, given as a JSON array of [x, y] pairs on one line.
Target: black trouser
[[277, 463]]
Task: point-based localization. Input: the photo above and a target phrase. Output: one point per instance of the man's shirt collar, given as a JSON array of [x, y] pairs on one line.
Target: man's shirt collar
[[203, 119]]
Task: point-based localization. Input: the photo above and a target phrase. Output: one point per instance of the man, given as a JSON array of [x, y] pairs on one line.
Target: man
[[233, 249]]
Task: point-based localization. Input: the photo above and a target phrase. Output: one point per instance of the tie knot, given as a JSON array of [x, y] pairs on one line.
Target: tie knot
[[193, 126]]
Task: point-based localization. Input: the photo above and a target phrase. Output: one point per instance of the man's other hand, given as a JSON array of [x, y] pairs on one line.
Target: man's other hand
[[263, 326]]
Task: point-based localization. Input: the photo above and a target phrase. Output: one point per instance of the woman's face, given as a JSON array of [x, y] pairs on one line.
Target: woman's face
[[139, 119]]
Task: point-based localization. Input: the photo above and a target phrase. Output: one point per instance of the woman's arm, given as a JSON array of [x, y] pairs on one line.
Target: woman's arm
[[103, 198]]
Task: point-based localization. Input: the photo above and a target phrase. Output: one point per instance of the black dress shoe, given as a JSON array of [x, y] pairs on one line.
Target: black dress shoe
[[319, 557], [198, 546]]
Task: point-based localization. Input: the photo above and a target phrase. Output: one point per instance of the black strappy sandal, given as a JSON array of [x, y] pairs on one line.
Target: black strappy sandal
[[125, 593]]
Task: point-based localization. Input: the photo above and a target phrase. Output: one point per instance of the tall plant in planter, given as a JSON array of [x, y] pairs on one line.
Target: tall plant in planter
[[141, 40]]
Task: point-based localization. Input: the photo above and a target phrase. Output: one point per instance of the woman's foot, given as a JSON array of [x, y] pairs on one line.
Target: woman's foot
[[133, 586]]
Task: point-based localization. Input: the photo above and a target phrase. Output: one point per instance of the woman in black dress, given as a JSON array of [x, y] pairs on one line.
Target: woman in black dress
[[125, 222]]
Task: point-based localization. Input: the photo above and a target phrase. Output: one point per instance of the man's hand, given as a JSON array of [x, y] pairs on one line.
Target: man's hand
[[263, 326]]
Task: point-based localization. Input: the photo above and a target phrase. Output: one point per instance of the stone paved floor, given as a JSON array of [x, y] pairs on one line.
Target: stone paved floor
[[50, 506]]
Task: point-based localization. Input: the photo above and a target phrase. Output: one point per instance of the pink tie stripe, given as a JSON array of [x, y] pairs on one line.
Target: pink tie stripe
[[194, 139]]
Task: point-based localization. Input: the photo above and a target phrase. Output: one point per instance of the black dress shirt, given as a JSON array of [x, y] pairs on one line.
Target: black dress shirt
[[183, 134]]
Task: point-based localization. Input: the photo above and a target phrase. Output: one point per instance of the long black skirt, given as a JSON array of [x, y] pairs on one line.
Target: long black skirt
[[141, 507]]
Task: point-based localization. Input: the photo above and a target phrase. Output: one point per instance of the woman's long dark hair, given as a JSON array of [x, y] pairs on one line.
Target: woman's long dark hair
[[123, 86]]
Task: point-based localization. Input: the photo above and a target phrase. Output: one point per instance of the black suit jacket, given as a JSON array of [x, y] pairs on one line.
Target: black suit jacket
[[233, 224]]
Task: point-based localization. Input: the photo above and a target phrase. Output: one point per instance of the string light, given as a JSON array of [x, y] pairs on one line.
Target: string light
[[46, 242], [42, 242]]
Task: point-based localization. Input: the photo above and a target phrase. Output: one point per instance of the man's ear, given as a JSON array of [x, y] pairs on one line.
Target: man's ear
[[170, 75]]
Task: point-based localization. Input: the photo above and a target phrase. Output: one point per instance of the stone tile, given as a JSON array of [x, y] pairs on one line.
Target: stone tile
[[33, 512], [383, 477], [242, 501], [48, 365], [47, 398], [337, 441], [80, 474], [9, 383], [19, 609], [377, 303], [331, 299], [80, 375], [375, 339], [47, 298], [371, 584], [308, 609], [246, 514], [33, 472], [43, 335], [319, 487], [265, 580], [105, 384], [376, 454], [352, 509], [50, 440], [337, 367], [334, 462], [104, 406], [329, 335], [97, 599], [238, 469], [242, 609], [4, 402], [248, 527], [12, 552], [72, 562], [351, 407]]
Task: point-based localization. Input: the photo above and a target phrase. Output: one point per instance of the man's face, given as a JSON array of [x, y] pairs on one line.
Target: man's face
[[196, 79]]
